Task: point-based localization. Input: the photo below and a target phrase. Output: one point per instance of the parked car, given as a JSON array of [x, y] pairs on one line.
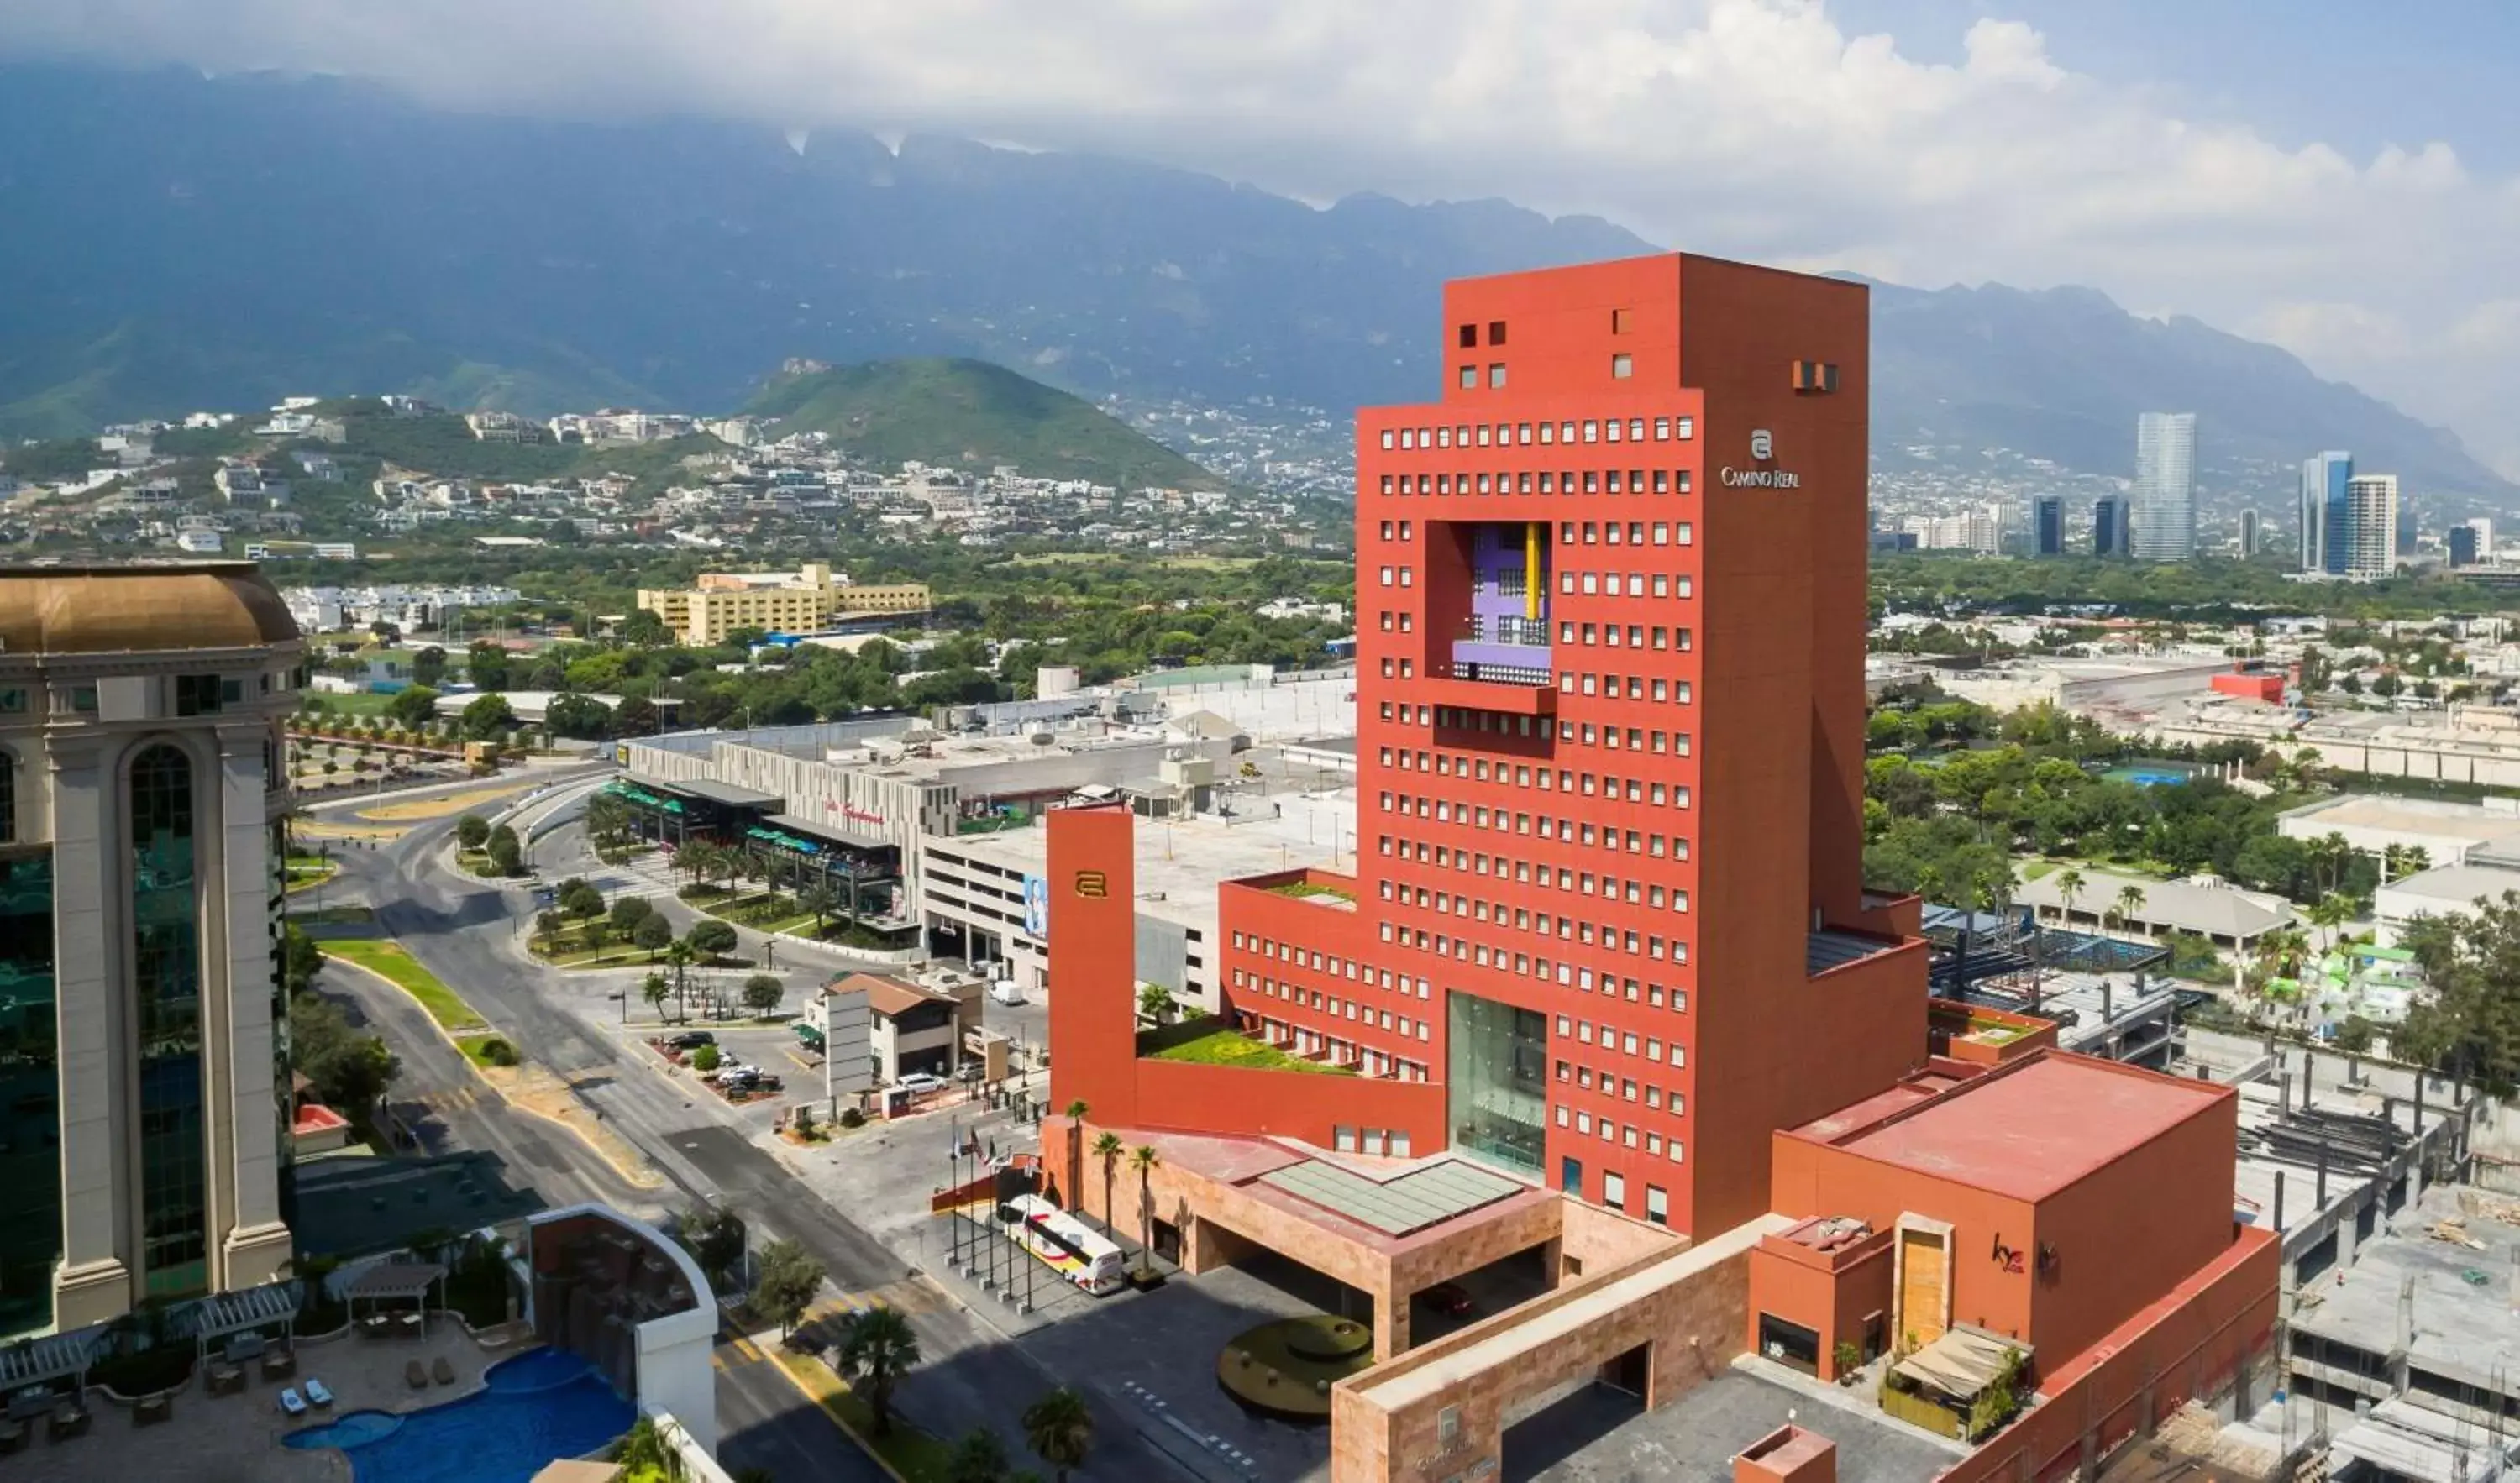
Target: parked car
[[921, 1083], [768, 1081], [1446, 1298], [738, 1075], [691, 1040]]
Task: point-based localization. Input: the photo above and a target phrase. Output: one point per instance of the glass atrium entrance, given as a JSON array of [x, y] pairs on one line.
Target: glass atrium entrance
[[1497, 1064]]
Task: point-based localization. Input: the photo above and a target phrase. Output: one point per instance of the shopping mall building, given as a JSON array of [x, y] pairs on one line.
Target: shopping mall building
[[1609, 994]]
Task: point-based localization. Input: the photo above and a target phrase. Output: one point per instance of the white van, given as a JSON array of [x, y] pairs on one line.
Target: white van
[[1007, 991]]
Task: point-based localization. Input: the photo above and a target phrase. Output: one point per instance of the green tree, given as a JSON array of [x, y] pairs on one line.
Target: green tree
[[486, 718], [1145, 1159], [712, 939], [762, 993], [2328, 913], [2130, 901], [786, 1285], [471, 832], [428, 666], [657, 989], [979, 1457], [414, 705], [580, 716], [485, 664], [1059, 1429], [299, 960], [646, 629], [878, 1349], [348, 1070], [607, 819], [2069, 885], [2353, 1037], [627, 913], [507, 856], [1155, 1003], [581, 900], [653, 935], [714, 1236], [680, 955], [1108, 1149]]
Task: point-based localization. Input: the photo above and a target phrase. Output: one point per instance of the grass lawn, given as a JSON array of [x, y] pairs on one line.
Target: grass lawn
[[389, 961], [332, 916], [361, 704], [444, 807], [1213, 1043], [2038, 867], [911, 1453], [576, 948], [473, 1047]]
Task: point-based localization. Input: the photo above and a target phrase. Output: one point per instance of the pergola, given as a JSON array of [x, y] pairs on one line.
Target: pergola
[[254, 1308], [389, 1281], [40, 1361]]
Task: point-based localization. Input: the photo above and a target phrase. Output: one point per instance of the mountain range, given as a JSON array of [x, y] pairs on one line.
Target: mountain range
[[183, 242]]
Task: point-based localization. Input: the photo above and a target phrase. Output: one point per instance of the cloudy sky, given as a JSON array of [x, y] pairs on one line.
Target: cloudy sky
[[2341, 178]]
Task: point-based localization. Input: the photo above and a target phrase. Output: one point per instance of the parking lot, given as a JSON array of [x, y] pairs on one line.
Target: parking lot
[[774, 1051]]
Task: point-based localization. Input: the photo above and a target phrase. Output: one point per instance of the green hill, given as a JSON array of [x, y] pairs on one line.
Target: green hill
[[972, 414]]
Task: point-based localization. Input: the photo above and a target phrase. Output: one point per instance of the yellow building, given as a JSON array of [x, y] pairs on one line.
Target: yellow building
[[719, 602]]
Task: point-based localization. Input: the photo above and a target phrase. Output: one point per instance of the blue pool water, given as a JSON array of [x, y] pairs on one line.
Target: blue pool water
[[539, 1407], [2146, 776]]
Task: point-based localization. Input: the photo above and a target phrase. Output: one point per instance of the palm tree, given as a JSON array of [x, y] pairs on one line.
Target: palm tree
[[1143, 1159], [822, 901], [2069, 885], [1076, 1111], [1059, 1429], [654, 988], [2130, 901], [679, 956], [979, 1458], [878, 1350], [2328, 913], [1155, 1003], [1108, 1147]]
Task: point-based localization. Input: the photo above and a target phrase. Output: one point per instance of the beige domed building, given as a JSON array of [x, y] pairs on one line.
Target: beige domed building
[[142, 1064]]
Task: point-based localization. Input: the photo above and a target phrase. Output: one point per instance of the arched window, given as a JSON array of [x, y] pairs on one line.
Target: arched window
[[166, 988]]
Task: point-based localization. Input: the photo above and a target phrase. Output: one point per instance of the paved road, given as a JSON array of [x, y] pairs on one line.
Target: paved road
[[764, 1422], [472, 935]]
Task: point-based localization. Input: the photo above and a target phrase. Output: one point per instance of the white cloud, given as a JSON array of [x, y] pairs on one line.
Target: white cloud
[[1755, 128]]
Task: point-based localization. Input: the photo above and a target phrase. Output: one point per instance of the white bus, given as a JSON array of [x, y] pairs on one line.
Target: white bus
[[1067, 1246]]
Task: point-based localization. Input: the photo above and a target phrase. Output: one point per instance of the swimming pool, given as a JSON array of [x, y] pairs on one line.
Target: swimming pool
[[2145, 777], [539, 1407]]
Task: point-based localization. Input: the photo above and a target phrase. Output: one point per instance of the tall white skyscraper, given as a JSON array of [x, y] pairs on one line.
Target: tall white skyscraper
[[2164, 498], [2371, 524]]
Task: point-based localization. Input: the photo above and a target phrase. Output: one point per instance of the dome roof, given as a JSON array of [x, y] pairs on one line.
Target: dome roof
[[139, 608]]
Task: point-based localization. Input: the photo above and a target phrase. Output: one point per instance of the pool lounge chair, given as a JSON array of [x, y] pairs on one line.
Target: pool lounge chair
[[415, 1375], [292, 1402], [441, 1372], [317, 1395], [69, 1420]]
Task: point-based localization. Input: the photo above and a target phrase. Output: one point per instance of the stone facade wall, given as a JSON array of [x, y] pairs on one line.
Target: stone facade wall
[[1688, 1307]]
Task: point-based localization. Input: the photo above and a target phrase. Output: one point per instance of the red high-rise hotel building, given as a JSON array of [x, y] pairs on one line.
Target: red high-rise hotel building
[[1608, 931], [1609, 924]]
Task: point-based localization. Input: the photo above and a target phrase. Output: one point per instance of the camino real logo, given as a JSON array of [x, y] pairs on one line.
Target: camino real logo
[[1092, 884], [1763, 448]]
